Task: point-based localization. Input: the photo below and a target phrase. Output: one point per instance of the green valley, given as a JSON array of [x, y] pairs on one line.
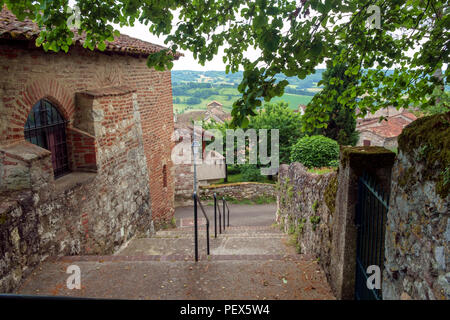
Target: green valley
[[193, 90]]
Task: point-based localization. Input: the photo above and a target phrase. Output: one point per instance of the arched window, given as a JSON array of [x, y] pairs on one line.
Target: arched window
[[46, 128]]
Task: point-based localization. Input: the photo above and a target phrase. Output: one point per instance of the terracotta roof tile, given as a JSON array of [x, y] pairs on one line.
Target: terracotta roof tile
[[393, 127], [190, 116], [214, 101], [13, 29], [408, 115]]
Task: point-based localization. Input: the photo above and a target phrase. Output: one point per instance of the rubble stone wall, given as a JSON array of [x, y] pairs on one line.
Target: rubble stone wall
[[306, 203], [417, 249]]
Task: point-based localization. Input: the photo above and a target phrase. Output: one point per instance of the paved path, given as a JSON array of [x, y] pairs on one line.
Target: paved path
[[246, 262], [241, 215]]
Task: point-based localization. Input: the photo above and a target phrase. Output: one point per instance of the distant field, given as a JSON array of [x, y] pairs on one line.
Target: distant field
[[228, 95], [293, 100], [193, 90]]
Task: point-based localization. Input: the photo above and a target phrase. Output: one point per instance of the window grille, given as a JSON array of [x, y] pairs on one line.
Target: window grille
[[46, 128]]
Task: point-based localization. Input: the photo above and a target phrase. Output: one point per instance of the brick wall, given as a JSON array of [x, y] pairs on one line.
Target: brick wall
[[81, 150], [28, 75]]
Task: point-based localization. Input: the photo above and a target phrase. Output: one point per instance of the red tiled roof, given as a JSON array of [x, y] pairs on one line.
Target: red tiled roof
[[222, 115], [404, 117], [390, 128], [408, 115], [214, 101], [13, 29]]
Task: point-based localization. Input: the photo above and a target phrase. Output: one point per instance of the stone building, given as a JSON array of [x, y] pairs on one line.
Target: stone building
[[211, 166], [214, 111], [85, 147], [373, 132]]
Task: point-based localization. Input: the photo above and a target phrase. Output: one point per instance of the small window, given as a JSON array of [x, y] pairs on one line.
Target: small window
[[366, 143], [46, 128], [164, 172]]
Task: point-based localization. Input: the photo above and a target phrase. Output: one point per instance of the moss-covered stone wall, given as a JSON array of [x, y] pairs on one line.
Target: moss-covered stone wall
[[305, 210], [418, 223]]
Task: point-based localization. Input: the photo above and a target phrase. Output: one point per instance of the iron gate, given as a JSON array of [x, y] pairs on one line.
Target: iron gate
[[371, 212]]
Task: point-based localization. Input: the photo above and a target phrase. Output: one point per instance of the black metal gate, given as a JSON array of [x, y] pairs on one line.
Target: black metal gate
[[371, 212]]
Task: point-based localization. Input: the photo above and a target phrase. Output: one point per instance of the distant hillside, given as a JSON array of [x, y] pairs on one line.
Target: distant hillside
[[193, 90], [220, 77]]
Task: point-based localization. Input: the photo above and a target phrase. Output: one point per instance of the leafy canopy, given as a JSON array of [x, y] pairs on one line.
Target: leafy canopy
[[294, 37], [340, 118]]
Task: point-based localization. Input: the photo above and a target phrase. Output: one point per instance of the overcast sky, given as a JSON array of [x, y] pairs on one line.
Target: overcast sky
[[187, 62], [184, 63]]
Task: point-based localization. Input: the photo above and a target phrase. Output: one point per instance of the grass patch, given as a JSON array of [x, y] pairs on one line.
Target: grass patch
[[227, 96], [322, 170], [237, 177], [259, 200]]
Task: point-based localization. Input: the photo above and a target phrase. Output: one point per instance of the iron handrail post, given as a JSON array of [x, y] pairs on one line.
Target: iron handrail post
[[207, 225], [220, 218], [224, 215], [228, 212], [195, 227], [215, 215]]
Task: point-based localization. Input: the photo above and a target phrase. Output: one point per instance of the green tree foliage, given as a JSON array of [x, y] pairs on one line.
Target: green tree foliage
[[339, 117], [251, 172], [442, 103], [315, 151], [279, 116], [193, 100], [294, 37]]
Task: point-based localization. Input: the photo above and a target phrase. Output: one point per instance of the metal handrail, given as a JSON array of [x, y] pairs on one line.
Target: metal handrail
[[216, 206], [197, 201], [228, 211]]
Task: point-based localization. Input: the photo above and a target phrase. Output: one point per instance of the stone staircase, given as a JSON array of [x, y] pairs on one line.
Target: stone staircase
[[237, 241], [246, 262]]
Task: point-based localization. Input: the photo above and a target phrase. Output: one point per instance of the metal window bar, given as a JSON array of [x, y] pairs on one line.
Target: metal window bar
[[197, 201], [46, 128]]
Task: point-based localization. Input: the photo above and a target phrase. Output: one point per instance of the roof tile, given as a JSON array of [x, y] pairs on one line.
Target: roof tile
[[13, 29]]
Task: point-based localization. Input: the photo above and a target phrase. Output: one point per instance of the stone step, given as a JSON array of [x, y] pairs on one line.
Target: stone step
[[228, 231], [182, 257], [150, 279], [232, 245], [202, 234]]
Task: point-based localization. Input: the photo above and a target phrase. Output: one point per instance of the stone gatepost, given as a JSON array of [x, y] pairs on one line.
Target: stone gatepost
[[377, 161]]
